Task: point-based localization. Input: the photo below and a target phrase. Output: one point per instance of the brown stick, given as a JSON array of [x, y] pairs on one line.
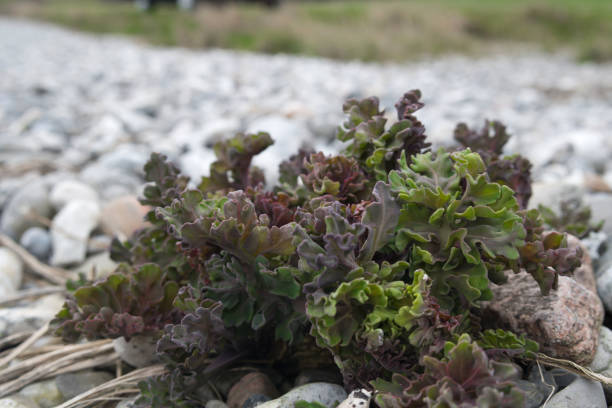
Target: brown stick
[[24, 294], [58, 276]]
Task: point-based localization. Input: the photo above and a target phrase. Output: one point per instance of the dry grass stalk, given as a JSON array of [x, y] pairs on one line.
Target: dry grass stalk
[[58, 276], [23, 346], [51, 367], [14, 371], [15, 338], [114, 387], [24, 294], [100, 361], [573, 367]]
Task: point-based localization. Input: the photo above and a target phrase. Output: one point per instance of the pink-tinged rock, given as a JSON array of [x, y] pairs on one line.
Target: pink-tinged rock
[[585, 274], [250, 384], [122, 216], [565, 323]]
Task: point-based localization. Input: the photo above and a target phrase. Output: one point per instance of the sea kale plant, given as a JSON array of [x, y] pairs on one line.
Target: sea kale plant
[[375, 260]]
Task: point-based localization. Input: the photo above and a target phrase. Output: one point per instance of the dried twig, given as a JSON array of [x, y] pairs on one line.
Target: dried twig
[[15, 338], [112, 388], [50, 367], [100, 361], [573, 367], [58, 276], [24, 294], [12, 372], [31, 340]]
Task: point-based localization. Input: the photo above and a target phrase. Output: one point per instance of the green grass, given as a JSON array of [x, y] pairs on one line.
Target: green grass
[[387, 30]]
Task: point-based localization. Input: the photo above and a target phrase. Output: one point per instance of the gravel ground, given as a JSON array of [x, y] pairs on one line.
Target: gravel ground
[[68, 98]]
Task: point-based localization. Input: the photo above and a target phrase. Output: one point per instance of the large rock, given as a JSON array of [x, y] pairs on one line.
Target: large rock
[[71, 190], [70, 231], [24, 207], [122, 216], [581, 393], [565, 323], [329, 395]]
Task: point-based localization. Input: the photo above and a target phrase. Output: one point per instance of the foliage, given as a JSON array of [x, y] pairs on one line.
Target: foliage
[[380, 256], [512, 171], [126, 303], [573, 218], [464, 377]]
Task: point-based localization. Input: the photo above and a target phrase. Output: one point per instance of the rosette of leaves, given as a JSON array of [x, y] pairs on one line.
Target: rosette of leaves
[[574, 217], [338, 176], [250, 273], [513, 171], [545, 255], [463, 377], [371, 143], [126, 303], [454, 223], [153, 244], [232, 170]]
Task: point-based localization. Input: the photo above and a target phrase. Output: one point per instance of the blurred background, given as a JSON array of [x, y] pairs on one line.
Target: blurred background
[[369, 30]]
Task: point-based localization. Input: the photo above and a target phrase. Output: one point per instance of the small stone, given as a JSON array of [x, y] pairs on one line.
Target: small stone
[[22, 210], [565, 323], [138, 352], [71, 190], [215, 404], [581, 393], [254, 400], [127, 403], [250, 384], [595, 243], [595, 182], [11, 267], [311, 375], [357, 399], [123, 216], [97, 266], [45, 393], [37, 241], [17, 401], [70, 231], [99, 243], [73, 384], [329, 395]]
